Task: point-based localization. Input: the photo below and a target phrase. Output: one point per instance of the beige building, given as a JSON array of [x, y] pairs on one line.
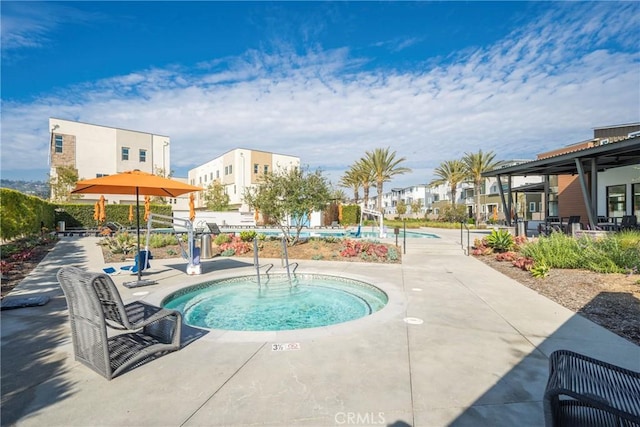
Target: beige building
[[96, 151], [236, 170]]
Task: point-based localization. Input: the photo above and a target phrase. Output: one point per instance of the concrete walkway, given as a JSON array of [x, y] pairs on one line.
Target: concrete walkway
[[458, 344]]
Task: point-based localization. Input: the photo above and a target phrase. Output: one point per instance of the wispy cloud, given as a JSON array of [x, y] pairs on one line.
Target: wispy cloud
[[30, 24], [544, 86]]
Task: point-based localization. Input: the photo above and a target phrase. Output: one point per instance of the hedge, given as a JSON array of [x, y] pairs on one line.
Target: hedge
[[22, 215]]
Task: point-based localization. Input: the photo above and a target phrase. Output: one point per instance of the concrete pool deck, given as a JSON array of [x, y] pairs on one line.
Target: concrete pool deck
[[473, 352]]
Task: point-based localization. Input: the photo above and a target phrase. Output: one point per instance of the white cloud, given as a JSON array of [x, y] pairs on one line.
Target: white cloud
[[544, 86]]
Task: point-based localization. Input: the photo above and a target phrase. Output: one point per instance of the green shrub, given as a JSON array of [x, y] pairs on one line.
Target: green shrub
[[120, 243], [222, 239], [453, 213], [615, 253], [500, 240], [162, 240], [247, 235], [556, 251], [392, 254]]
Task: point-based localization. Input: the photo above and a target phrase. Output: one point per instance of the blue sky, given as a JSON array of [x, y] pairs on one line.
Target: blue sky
[[322, 81]]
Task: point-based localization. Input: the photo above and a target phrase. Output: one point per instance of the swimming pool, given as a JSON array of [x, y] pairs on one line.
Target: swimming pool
[[239, 304], [366, 234]]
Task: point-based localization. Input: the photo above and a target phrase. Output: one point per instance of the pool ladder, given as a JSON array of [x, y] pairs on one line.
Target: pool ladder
[[284, 260]]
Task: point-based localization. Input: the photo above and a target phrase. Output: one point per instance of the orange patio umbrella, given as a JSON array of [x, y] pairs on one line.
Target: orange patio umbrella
[[134, 182], [147, 207], [96, 211], [340, 212], [102, 216], [130, 213], [192, 208]]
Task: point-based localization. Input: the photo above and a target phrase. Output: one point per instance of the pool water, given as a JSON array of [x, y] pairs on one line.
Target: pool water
[[340, 234], [238, 304]]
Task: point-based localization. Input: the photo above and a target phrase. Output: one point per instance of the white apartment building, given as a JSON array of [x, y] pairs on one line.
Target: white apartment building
[[236, 170], [432, 198], [408, 195], [96, 151]]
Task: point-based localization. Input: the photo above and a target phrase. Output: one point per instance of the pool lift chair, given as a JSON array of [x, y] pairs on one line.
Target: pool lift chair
[[379, 215], [192, 254], [109, 336]]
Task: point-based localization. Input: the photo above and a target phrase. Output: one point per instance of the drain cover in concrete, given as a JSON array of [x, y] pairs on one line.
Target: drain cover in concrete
[[413, 321]]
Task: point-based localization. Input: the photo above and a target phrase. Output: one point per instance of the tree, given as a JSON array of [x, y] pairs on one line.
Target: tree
[[216, 199], [384, 166], [401, 207], [338, 195], [476, 164], [351, 180], [159, 200], [364, 174], [62, 184], [450, 172], [416, 206], [289, 197]]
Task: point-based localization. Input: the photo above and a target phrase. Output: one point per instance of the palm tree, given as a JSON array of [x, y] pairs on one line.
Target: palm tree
[[384, 166], [351, 180], [451, 172], [476, 164], [364, 175]]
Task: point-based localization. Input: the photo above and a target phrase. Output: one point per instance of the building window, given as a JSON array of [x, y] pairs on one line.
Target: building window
[[217, 174], [532, 206], [256, 167], [230, 169], [143, 156], [635, 190], [125, 153], [100, 175], [211, 176], [58, 143], [226, 170], [266, 169], [616, 200]]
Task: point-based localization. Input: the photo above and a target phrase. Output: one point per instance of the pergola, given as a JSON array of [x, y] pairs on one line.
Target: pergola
[[579, 162]]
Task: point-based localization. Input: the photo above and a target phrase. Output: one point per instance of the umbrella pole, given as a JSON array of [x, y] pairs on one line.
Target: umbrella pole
[[138, 227]]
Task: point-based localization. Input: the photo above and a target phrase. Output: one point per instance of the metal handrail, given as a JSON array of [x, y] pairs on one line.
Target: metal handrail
[[256, 261], [463, 224], [285, 258]]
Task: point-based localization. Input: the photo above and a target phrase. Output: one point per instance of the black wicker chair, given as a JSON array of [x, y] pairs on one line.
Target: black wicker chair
[[140, 333], [586, 392]]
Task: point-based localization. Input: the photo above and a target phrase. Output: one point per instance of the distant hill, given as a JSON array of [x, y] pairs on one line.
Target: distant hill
[[33, 188]]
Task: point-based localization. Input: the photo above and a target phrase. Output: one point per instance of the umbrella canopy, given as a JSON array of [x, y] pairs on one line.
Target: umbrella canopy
[[130, 213], [134, 182], [102, 216], [96, 211], [192, 208]]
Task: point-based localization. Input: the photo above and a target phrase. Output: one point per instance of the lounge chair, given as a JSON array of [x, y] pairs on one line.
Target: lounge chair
[[213, 228], [583, 391], [97, 311]]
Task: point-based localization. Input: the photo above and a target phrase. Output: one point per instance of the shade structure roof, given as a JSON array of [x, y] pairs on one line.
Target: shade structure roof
[[135, 182], [614, 155]]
